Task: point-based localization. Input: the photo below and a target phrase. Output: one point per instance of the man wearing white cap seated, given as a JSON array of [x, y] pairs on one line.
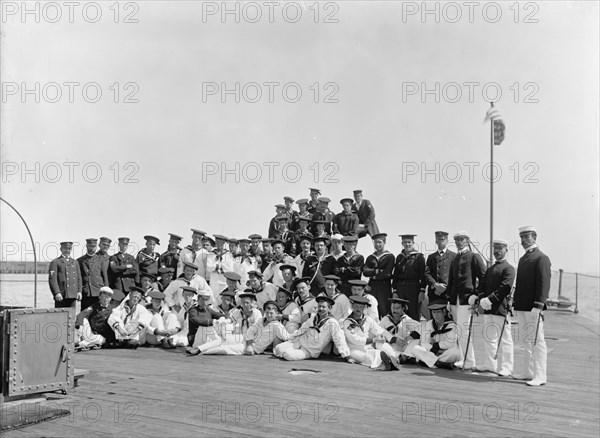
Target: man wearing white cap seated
[[164, 323], [438, 343], [92, 323], [337, 246], [130, 319], [466, 274], [314, 335], [531, 293], [493, 298]]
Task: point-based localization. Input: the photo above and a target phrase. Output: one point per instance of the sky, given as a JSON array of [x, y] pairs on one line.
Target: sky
[[156, 117]]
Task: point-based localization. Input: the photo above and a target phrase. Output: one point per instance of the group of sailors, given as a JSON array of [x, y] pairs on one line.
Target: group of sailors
[[300, 293]]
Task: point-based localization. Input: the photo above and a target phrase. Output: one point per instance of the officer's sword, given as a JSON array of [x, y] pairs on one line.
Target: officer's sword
[[537, 328], [508, 311], [473, 309]]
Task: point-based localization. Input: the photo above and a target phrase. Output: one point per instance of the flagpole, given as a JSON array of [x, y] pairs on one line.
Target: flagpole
[[491, 189]]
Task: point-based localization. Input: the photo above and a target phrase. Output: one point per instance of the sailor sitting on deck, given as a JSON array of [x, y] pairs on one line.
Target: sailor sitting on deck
[[305, 301], [266, 332], [190, 300], [290, 312], [92, 323], [130, 319], [313, 336], [360, 330], [189, 277], [201, 323], [231, 331], [164, 323], [406, 335], [439, 343]]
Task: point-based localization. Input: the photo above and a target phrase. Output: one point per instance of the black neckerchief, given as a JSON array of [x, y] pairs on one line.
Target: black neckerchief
[[442, 329], [320, 322], [355, 323]]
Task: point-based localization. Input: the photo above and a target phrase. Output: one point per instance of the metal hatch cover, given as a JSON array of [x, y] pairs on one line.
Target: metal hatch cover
[[40, 350]]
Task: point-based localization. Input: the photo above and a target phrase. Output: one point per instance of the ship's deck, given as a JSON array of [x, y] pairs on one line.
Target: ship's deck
[[155, 392]]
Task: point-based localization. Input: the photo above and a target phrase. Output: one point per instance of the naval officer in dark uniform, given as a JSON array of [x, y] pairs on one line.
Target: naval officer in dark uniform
[[94, 274], [531, 293], [466, 275], [123, 270], [64, 278], [437, 268], [494, 300]]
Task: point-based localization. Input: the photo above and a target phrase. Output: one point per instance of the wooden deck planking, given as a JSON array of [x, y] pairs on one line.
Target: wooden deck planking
[[174, 395]]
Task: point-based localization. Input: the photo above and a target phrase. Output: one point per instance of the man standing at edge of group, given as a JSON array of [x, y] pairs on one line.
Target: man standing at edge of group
[[64, 278], [366, 215], [531, 293]]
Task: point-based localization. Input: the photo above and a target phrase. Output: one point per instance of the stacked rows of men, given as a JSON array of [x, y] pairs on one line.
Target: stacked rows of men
[[230, 286]]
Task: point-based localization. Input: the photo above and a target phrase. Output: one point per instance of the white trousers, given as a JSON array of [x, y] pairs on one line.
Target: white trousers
[[206, 334], [158, 323], [450, 355], [290, 351], [492, 326], [89, 338], [533, 361], [461, 315]]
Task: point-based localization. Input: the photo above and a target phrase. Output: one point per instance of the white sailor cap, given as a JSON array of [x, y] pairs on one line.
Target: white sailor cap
[[106, 290], [527, 229], [337, 237], [204, 293], [500, 242], [461, 234]]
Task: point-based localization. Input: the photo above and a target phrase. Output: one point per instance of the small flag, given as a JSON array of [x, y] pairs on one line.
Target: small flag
[[494, 115]]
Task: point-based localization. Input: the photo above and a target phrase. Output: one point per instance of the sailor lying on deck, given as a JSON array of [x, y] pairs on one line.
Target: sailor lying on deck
[[130, 319], [228, 334], [92, 323], [164, 324], [260, 335], [314, 335], [360, 329]]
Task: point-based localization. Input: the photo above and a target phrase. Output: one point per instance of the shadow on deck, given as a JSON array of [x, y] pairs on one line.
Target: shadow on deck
[[154, 392]]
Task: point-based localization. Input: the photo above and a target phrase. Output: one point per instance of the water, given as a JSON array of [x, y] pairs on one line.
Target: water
[[17, 290]]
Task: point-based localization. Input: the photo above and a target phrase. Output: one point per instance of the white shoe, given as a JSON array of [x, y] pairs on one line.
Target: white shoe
[[504, 373], [536, 382]]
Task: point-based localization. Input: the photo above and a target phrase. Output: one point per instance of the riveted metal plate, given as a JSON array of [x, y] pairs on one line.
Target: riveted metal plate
[[40, 348]]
